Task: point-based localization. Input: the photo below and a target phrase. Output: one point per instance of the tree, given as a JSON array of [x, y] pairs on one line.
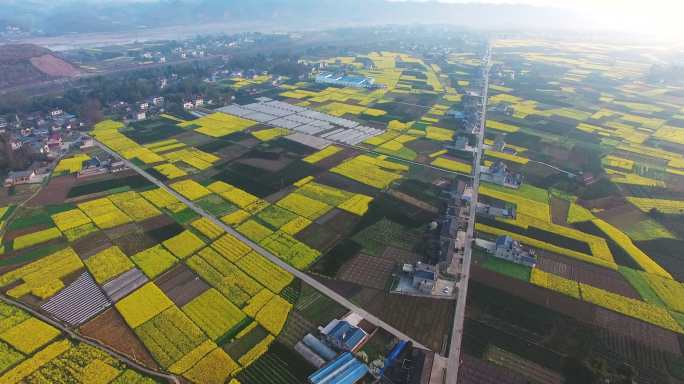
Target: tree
[[91, 111]]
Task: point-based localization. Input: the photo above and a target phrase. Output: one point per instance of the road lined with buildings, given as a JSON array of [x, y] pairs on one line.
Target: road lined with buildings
[[273, 258], [454, 360]]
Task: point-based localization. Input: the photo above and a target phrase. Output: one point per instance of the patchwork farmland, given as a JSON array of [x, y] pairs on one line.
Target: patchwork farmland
[[318, 198]]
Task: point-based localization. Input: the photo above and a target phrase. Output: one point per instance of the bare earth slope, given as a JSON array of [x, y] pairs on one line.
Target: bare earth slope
[[26, 63]]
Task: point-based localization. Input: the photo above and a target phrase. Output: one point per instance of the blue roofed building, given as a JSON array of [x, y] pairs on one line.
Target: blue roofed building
[[318, 347], [424, 277], [342, 335], [345, 369]]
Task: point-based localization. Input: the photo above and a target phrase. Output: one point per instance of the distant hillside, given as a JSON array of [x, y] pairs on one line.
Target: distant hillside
[[58, 18], [25, 63]]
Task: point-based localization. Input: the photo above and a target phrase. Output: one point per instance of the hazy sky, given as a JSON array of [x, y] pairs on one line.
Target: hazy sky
[[647, 16], [654, 16]]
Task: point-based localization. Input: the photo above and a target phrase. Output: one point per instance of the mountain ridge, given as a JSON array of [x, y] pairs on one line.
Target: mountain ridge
[[58, 19]]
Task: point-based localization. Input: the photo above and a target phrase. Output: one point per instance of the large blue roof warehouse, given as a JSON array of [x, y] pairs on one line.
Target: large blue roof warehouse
[[346, 369]]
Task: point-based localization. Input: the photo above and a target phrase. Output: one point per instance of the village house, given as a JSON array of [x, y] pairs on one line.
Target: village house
[[508, 249]]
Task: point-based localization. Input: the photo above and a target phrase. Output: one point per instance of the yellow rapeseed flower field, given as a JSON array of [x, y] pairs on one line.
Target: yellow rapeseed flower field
[[322, 154], [34, 238], [214, 368], [213, 313], [160, 197], [134, 205], [674, 207], [491, 124], [236, 217], [191, 358], [143, 304], [296, 225], [273, 314], [184, 244], [555, 283], [43, 273], [154, 261], [29, 335], [230, 247], [19, 372], [207, 228], [265, 272], [170, 171], [630, 307], [190, 189], [357, 204], [254, 231], [374, 171], [72, 164], [270, 133], [624, 242], [452, 165], [108, 264], [219, 124], [70, 219], [304, 206], [104, 213]]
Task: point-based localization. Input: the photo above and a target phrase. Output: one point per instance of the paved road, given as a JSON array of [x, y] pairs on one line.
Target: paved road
[[95, 343], [457, 330], [299, 274]]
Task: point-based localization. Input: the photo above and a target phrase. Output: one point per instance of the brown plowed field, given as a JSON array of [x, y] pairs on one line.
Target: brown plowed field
[[645, 333], [586, 273], [111, 329], [640, 331], [426, 320], [476, 371], [55, 192], [368, 271], [400, 256], [181, 285]]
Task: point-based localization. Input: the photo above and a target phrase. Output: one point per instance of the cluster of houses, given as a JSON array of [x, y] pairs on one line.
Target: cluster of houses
[[446, 241], [38, 171], [48, 134], [141, 110], [46, 137], [498, 173], [195, 103]]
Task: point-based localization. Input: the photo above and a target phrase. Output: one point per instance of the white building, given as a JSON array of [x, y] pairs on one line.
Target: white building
[[511, 250], [344, 80], [423, 276]]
